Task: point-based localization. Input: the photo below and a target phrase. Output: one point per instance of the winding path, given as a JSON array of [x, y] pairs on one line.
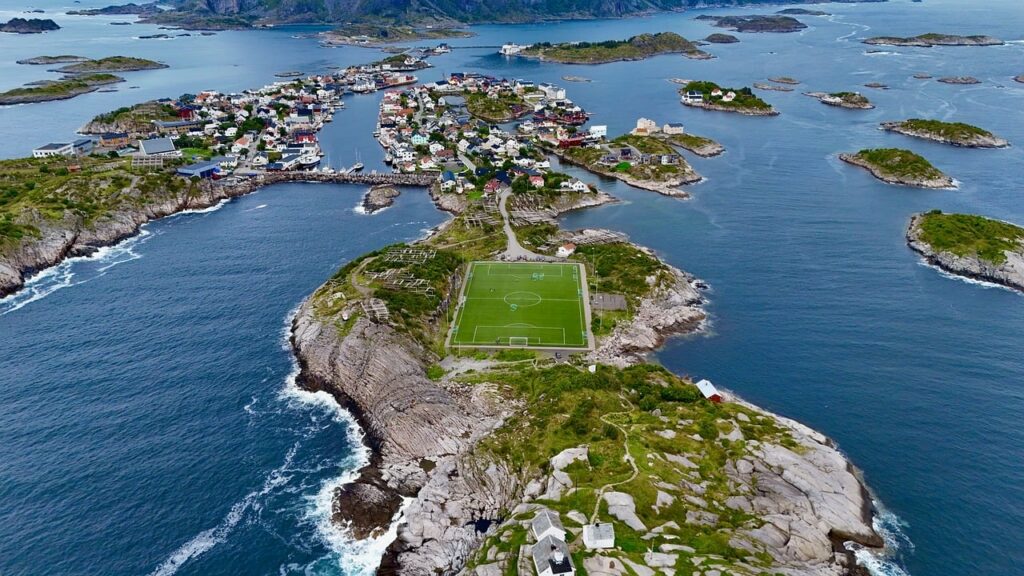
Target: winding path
[[628, 458]]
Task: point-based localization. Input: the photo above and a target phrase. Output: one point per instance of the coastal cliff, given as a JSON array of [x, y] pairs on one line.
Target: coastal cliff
[[74, 235], [970, 246]]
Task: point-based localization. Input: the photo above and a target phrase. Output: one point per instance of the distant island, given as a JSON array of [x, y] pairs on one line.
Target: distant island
[[970, 246], [58, 90], [959, 80], [784, 80], [755, 23], [111, 64], [934, 39], [30, 26], [719, 38], [897, 166], [1019, 78], [851, 100], [121, 10], [803, 12], [636, 48], [47, 60], [711, 96], [954, 133], [380, 35]]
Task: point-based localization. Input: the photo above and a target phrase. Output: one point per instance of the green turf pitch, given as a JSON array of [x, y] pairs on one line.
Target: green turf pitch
[[521, 304]]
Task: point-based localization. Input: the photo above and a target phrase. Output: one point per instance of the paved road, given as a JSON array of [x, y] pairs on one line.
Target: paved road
[[514, 251]]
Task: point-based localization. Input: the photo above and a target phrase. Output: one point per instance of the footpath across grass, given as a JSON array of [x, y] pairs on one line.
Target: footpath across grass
[[522, 305]]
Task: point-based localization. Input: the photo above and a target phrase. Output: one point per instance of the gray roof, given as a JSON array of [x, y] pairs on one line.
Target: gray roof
[[157, 146], [552, 553], [53, 146], [603, 531], [546, 519]]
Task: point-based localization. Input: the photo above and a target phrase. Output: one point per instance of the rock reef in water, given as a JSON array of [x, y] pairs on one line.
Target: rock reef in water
[[379, 197]]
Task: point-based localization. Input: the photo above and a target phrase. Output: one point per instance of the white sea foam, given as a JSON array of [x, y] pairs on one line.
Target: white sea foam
[[206, 210], [62, 275], [975, 281], [260, 207], [890, 527], [207, 539], [359, 209]]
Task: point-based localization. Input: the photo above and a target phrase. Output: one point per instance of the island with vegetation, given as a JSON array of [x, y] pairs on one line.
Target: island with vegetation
[[50, 60], [755, 23], [803, 12], [850, 100], [110, 64], [719, 38], [643, 161], [897, 166], [714, 97], [58, 89], [955, 133], [971, 246], [934, 39], [636, 48], [369, 34], [504, 108], [784, 80], [28, 26], [472, 443]]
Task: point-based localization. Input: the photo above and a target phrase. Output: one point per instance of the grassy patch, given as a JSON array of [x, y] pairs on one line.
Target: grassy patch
[[900, 163], [956, 131], [968, 234]]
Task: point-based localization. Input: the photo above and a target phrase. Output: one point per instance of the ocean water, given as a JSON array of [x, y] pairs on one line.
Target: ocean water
[[148, 421]]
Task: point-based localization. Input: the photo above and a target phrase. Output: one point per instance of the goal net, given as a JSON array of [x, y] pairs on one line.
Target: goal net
[[520, 341]]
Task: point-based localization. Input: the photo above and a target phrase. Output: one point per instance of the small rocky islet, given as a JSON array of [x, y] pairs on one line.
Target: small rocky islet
[[28, 26], [971, 246], [934, 39], [953, 133], [898, 166], [755, 23], [848, 100]]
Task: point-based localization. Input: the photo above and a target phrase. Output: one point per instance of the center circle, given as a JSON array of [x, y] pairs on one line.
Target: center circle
[[523, 298]]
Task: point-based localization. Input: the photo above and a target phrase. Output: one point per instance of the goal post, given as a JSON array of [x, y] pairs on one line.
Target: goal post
[[518, 341]]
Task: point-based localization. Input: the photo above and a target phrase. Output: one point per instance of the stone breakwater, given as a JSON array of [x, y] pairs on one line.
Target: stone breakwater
[[1009, 273], [71, 236]]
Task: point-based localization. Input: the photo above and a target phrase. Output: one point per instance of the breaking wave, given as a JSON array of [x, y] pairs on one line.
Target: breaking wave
[[890, 527], [64, 274]]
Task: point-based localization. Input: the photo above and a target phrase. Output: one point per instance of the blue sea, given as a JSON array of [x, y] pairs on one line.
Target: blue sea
[[149, 421]]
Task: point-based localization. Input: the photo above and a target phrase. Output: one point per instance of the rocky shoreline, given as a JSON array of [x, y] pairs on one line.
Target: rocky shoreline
[[974, 141], [848, 100], [1009, 273], [943, 182], [423, 436], [720, 108]]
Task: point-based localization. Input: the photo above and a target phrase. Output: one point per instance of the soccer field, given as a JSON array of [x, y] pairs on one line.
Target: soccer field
[[522, 304]]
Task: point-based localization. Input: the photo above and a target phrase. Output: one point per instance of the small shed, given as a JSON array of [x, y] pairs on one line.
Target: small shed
[[709, 391], [547, 523], [565, 250], [599, 536]]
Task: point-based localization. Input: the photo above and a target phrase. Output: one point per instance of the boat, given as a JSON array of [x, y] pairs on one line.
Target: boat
[[309, 160], [356, 167]]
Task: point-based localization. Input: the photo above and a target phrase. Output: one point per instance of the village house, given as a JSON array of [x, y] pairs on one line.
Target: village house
[[158, 147], [693, 97], [709, 391], [645, 127], [565, 250], [547, 523], [114, 139], [673, 128]]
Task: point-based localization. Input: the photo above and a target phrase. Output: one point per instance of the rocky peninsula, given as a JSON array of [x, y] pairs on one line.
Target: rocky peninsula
[[953, 133], [755, 23], [699, 145], [28, 26], [637, 47], [479, 442], [48, 60], [849, 100], [934, 39], [970, 246], [896, 166]]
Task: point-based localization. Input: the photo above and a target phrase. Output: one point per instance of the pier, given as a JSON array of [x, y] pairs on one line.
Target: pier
[[259, 179]]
